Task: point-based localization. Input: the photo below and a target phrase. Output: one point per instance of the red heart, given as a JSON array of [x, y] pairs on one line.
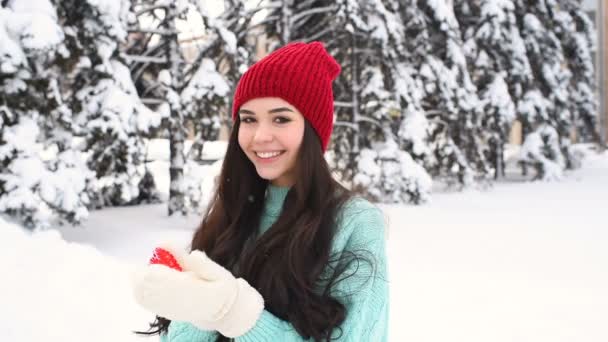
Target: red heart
[[164, 257]]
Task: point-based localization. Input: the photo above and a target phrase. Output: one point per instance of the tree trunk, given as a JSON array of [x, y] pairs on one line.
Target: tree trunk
[[177, 131], [286, 21]]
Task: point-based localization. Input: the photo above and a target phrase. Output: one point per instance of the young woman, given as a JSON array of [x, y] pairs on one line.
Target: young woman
[[284, 252]]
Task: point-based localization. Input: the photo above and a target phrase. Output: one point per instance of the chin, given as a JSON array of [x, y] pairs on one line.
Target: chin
[[268, 176]]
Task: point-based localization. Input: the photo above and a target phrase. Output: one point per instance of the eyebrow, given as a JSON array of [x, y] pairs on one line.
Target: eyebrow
[[272, 111]]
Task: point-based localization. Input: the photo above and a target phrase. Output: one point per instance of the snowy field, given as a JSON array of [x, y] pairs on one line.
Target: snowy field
[[517, 262]]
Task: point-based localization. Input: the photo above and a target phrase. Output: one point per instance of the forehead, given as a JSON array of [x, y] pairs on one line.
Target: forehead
[[264, 104]]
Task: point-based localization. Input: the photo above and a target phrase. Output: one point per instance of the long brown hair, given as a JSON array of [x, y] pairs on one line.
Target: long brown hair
[[288, 263]]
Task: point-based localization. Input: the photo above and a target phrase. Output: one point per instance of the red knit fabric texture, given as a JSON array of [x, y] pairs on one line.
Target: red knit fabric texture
[[300, 74]]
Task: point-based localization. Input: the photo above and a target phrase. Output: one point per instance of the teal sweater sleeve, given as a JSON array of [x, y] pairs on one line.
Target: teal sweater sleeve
[[364, 290]]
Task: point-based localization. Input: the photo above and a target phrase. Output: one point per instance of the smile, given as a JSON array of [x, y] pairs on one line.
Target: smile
[[268, 155]]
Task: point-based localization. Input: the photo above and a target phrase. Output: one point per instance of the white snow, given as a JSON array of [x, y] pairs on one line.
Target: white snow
[[391, 175], [110, 21], [206, 83], [26, 29], [55, 290], [33, 24], [37, 184], [157, 152], [498, 98], [444, 13], [518, 262], [533, 147]]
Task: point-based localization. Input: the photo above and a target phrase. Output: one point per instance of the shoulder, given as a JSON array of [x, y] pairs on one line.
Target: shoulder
[[359, 221], [359, 211], [358, 206]]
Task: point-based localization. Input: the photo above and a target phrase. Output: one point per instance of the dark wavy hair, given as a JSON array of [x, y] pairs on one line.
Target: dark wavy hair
[[286, 264]]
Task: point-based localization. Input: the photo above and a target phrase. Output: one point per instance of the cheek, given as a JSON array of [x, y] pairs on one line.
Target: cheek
[[295, 137]]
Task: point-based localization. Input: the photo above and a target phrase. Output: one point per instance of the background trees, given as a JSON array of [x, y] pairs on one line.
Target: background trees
[[428, 92]]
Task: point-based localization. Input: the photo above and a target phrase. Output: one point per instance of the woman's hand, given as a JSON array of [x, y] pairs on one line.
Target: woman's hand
[[204, 294]]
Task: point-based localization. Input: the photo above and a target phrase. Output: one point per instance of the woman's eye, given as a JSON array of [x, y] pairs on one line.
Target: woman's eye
[[247, 120], [281, 119]]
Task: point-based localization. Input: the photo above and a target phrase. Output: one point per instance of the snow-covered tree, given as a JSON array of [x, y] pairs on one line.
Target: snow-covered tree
[[391, 175], [115, 127], [542, 150], [367, 39], [189, 90], [391, 97], [108, 113], [498, 65], [229, 49], [577, 35], [43, 176], [449, 98], [359, 87], [545, 99], [290, 20]]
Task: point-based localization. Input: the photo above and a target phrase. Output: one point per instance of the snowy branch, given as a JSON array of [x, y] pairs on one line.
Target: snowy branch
[[343, 104], [269, 19], [346, 124], [434, 112], [201, 54], [143, 59], [305, 4], [155, 31], [318, 35], [152, 101], [151, 87], [370, 120], [151, 8], [312, 11], [270, 6]]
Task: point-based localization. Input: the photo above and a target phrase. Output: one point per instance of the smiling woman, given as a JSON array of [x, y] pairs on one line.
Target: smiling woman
[[284, 252]]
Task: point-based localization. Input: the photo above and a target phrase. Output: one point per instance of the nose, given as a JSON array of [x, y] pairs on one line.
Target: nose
[[263, 134]]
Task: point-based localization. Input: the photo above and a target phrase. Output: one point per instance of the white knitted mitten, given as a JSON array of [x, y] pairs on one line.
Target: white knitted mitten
[[204, 294]]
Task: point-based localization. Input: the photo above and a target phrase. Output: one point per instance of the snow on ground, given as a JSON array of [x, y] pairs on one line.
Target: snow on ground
[[518, 262], [53, 290]]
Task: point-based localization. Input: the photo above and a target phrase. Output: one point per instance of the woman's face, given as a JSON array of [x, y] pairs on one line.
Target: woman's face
[[270, 134]]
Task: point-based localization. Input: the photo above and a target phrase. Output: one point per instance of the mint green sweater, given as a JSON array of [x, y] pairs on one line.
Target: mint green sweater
[[361, 227]]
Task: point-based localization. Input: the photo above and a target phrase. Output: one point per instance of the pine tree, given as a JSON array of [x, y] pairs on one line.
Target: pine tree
[[356, 126], [42, 174], [543, 109], [229, 50], [449, 97], [108, 113], [498, 65], [367, 41], [290, 20], [190, 90], [577, 35], [391, 98]]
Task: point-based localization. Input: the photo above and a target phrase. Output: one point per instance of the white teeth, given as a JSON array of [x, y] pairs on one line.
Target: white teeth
[[267, 154]]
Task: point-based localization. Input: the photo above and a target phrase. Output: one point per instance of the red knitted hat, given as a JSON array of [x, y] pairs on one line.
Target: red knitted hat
[[300, 74]]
